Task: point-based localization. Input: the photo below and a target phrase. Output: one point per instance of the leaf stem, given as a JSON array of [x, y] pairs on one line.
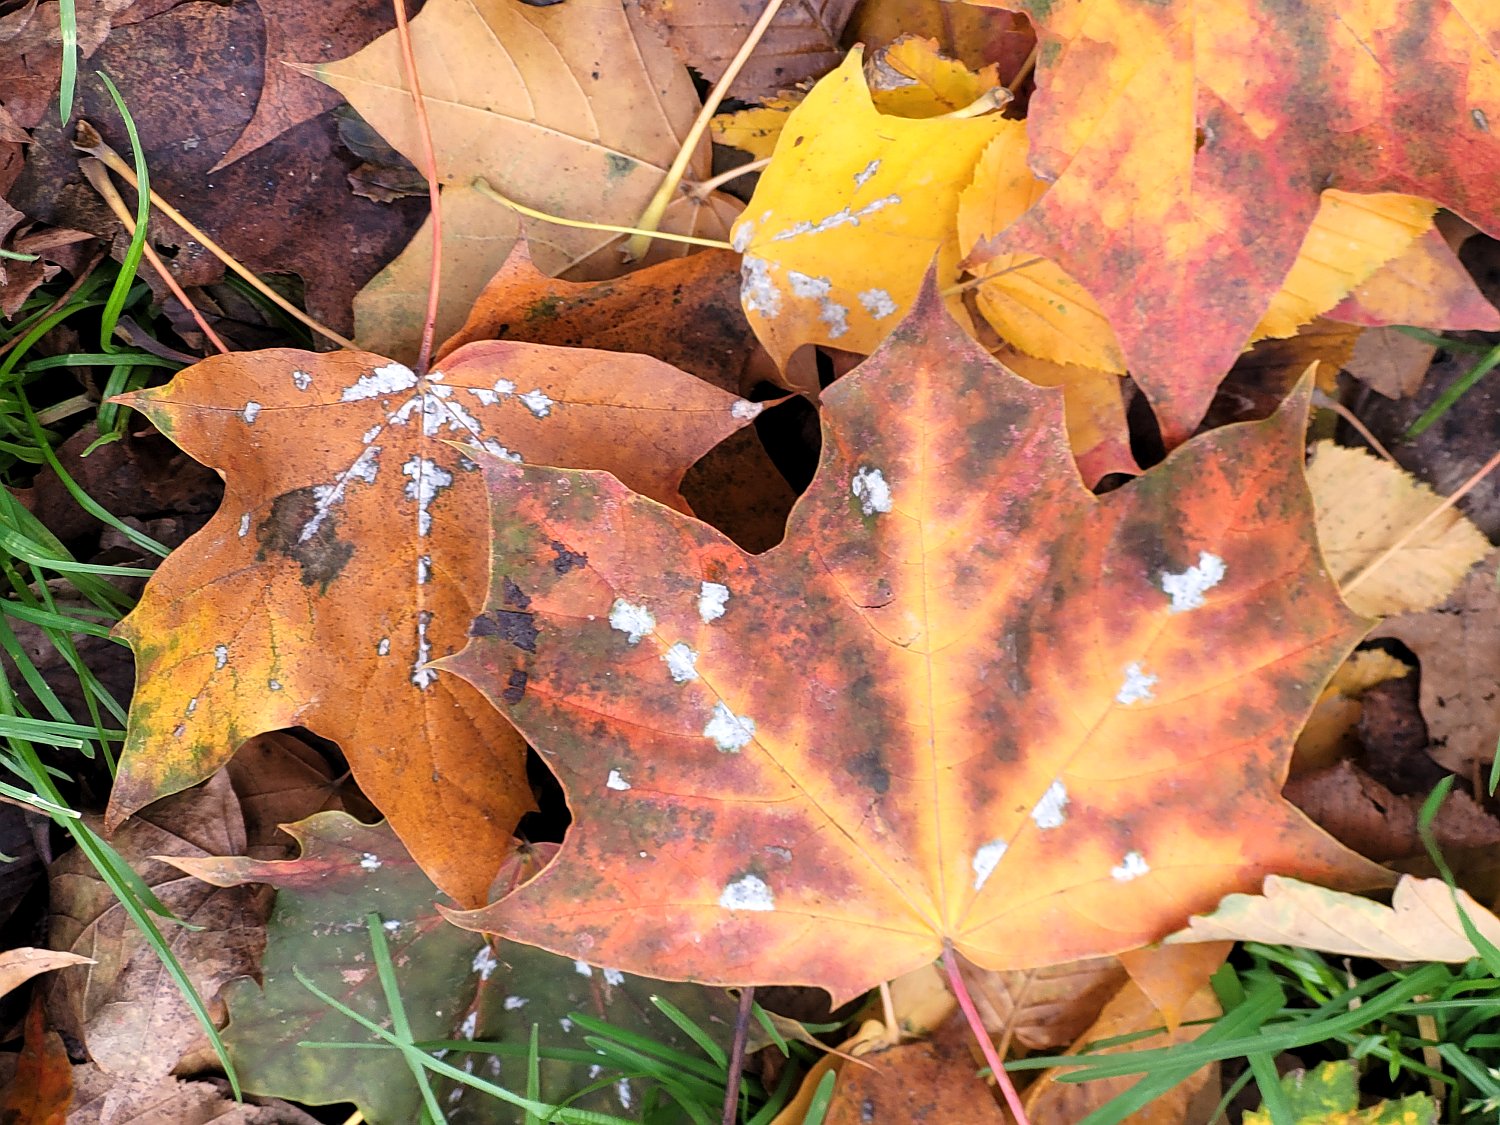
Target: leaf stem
[[89, 141], [651, 217], [976, 1025], [435, 204], [737, 1055], [704, 189], [482, 186]]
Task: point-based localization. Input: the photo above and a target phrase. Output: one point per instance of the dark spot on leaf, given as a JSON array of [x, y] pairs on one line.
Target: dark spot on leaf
[[869, 767], [322, 555], [516, 687], [566, 560], [617, 166], [513, 595], [518, 629], [541, 3], [544, 309]]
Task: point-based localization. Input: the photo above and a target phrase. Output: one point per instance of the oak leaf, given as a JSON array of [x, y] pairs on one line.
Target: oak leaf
[[963, 702], [342, 558], [1186, 160], [576, 110]]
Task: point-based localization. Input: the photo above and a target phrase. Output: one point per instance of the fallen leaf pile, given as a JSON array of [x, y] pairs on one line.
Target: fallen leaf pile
[[990, 527]]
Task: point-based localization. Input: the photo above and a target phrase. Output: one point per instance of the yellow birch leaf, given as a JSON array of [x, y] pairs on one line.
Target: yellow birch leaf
[[845, 220], [913, 78], [755, 130]]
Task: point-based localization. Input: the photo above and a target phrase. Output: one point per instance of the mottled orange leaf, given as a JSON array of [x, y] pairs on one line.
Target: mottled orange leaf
[[1187, 145], [343, 558], [965, 701]]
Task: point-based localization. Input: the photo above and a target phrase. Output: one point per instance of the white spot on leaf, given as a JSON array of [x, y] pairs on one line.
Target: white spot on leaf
[[470, 1025], [742, 237], [744, 409], [1050, 811], [583, 968], [1132, 867], [428, 478], [538, 403], [622, 1091], [682, 663], [986, 859], [301, 380], [387, 380], [635, 621], [758, 292], [484, 962], [871, 490], [244, 525], [1187, 589], [1137, 686], [424, 569], [712, 598], [862, 177], [749, 892], [728, 731], [843, 217], [421, 675], [515, 1003], [370, 861], [805, 285], [221, 656], [613, 977], [384, 647], [615, 781], [251, 412], [877, 303]]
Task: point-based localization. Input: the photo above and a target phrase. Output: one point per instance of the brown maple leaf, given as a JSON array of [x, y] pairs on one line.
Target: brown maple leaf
[[1187, 147], [965, 702], [343, 558]]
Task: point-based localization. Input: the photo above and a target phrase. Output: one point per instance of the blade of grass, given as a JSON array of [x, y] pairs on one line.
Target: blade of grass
[[399, 1023]]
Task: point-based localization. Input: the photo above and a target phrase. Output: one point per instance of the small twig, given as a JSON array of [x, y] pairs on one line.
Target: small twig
[[1026, 67], [99, 180], [888, 1014], [89, 141], [1327, 402], [435, 205], [737, 1055], [976, 1025], [975, 282], [651, 217], [83, 275], [482, 186], [1411, 532], [707, 187]]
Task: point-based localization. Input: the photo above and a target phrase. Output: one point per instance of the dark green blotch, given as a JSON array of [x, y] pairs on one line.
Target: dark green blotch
[[869, 767], [515, 628], [567, 560], [322, 556]]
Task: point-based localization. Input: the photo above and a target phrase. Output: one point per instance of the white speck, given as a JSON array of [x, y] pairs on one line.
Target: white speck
[[504, 387], [428, 478], [385, 380], [635, 621], [841, 217], [370, 861], [742, 237], [484, 962], [491, 446], [515, 1003], [622, 1091], [470, 1025], [583, 968], [301, 380], [390, 927], [863, 177], [327, 496], [1137, 686], [835, 316], [744, 409], [273, 685], [805, 285], [421, 675], [616, 782], [485, 397], [712, 598], [728, 731], [244, 525], [384, 647], [372, 433], [1133, 867], [538, 403], [1187, 589], [877, 303], [192, 705], [221, 656], [871, 490], [1050, 810], [758, 292], [456, 1095], [682, 662], [366, 466], [747, 893], [595, 1071], [424, 569], [642, 855], [613, 977], [251, 412], [180, 730], [565, 1023], [985, 861]]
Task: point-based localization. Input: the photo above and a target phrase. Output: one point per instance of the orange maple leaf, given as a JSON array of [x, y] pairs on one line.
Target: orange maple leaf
[[964, 702], [1187, 147], [343, 558]]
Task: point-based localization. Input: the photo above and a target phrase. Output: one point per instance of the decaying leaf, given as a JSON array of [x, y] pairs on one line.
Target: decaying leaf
[[1329, 1095], [41, 1089], [1391, 361], [1425, 285], [979, 669], [575, 110], [24, 962], [1458, 644], [1330, 731], [1421, 924], [1365, 507], [342, 560], [1043, 1008], [131, 1015], [1186, 165]]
